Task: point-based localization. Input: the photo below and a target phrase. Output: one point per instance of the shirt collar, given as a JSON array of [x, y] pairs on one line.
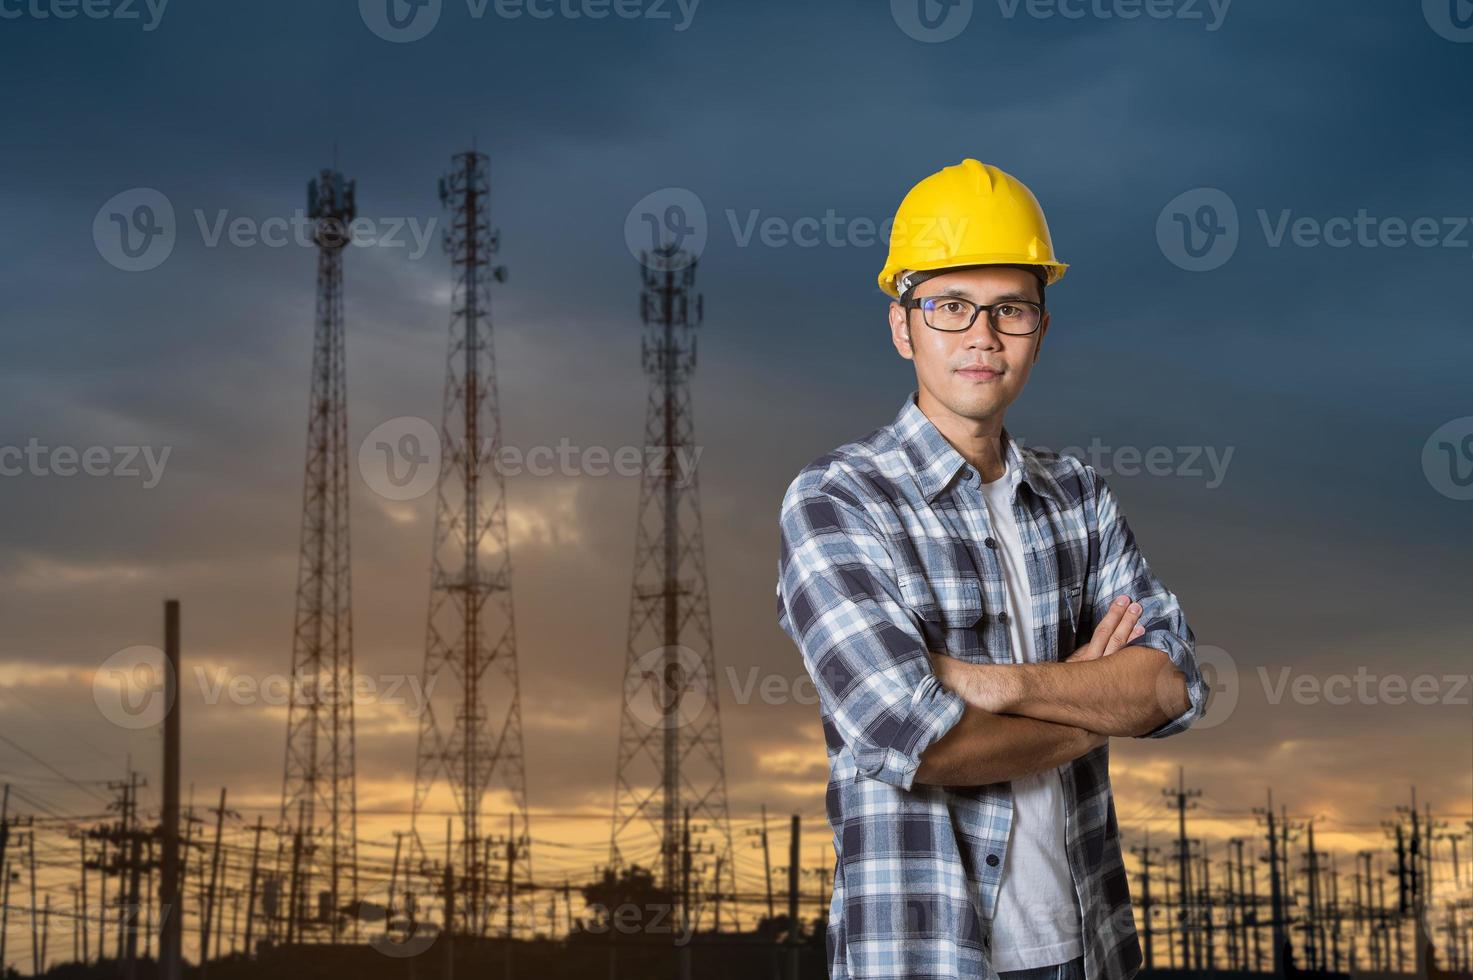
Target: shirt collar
[[936, 461]]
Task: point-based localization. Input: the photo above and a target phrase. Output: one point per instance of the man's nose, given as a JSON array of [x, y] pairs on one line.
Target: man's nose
[[980, 334]]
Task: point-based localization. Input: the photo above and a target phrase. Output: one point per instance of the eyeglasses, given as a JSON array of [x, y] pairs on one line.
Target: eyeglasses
[[1015, 317]]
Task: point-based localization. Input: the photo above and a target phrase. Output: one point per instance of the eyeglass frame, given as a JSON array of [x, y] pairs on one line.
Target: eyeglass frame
[[914, 302]]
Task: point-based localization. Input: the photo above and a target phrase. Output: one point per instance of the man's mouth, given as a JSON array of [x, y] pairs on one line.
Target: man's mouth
[[978, 372]]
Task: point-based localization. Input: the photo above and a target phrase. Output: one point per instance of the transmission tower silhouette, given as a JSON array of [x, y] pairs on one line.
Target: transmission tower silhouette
[[670, 760], [470, 731], [319, 796]]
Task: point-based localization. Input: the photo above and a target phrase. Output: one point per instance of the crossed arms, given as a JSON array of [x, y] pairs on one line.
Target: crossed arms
[[1025, 718], [910, 716]]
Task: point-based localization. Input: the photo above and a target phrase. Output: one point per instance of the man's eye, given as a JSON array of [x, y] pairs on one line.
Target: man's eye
[[1009, 310], [952, 308]]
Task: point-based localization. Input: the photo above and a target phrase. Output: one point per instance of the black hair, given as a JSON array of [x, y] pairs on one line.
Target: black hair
[[1041, 272]]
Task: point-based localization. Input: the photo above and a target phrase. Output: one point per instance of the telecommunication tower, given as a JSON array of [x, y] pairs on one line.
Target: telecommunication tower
[[670, 768], [319, 796], [470, 733]]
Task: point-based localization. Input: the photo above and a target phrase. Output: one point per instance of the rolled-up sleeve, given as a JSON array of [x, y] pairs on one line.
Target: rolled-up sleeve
[[838, 598], [1123, 569]]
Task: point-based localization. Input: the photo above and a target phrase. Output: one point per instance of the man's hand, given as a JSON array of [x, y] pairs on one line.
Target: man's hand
[[1116, 630]]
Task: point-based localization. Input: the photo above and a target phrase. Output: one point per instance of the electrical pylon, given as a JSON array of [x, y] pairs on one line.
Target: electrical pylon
[[470, 732], [670, 759], [319, 795]]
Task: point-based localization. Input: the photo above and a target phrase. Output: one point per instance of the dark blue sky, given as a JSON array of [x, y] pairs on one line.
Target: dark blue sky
[[1324, 369]]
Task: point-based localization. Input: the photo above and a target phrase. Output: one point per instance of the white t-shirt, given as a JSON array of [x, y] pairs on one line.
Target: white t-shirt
[[1037, 917]]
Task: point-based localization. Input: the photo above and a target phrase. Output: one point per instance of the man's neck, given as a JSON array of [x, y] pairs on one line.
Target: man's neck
[[979, 441]]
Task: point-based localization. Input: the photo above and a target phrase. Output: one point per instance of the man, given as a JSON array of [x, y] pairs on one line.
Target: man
[[936, 577]]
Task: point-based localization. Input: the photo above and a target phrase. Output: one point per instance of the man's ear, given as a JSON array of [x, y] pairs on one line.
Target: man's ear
[[1042, 329], [900, 331]]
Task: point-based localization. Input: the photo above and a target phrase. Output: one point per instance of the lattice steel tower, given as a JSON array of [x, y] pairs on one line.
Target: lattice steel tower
[[670, 761], [471, 729], [319, 797]]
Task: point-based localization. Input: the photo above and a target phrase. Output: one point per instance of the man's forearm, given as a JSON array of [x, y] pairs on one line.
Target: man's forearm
[[983, 748], [1129, 693]]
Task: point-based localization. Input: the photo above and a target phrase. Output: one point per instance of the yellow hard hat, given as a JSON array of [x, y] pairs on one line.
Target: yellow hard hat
[[969, 214]]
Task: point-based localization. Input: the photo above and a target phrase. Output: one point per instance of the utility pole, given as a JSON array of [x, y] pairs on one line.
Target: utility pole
[[448, 891], [45, 927], [820, 871], [4, 836], [1180, 797], [4, 917], [150, 865], [1230, 910], [1144, 852], [294, 899], [795, 928], [1363, 909], [76, 942], [1253, 908], [389, 909], [1388, 919], [1453, 841], [5, 874], [767, 864], [251, 899], [134, 842], [208, 918], [1210, 955], [1314, 954], [1237, 908], [1276, 897], [1334, 916], [36, 958], [717, 880], [82, 922], [683, 955], [170, 912]]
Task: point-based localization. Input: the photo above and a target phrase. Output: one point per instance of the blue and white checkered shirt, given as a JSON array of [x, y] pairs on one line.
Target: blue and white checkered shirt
[[886, 554]]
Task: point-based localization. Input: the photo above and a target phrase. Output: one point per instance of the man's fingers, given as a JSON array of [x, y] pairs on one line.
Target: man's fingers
[[1111, 619], [1116, 628], [1122, 633], [1138, 631]]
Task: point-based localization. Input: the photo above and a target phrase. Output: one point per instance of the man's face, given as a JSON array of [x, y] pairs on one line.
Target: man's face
[[942, 357]]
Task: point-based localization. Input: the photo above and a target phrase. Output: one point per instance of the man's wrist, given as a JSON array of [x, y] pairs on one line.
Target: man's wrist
[[998, 688]]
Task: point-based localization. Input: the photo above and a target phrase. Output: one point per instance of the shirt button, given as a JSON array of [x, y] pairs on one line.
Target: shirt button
[[1002, 617], [990, 542], [992, 860]]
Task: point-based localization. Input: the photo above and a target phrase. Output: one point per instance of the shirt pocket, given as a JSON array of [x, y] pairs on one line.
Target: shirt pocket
[[951, 616]]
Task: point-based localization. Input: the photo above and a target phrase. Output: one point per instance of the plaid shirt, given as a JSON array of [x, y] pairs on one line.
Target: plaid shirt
[[886, 554]]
